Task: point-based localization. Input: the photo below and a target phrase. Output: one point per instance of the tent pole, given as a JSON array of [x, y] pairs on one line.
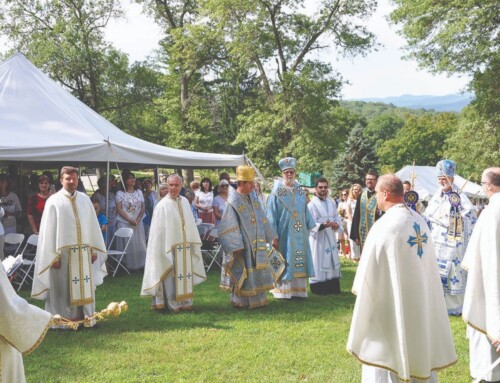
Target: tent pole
[[107, 201]]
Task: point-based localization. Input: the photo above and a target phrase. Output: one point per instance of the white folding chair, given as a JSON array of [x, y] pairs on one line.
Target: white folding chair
[[11, 265], [210, 247], [28, 261], [13, 241], [117, 255]]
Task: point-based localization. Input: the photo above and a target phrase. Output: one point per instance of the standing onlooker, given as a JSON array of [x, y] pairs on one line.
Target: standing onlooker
[[190, 197], [291, 220], [174, 263], [352, 200], [399, 329], [482, 294], [149, 205], [323, 241], [100, 196], [223, 176], [130, 208], [219, 205], [36, 203], [452, 218], [259, 194], [366, 212], [69, 243], [220, 201], [11, 205], [204, 200], [162, 192], [244, 232], [343, 236]]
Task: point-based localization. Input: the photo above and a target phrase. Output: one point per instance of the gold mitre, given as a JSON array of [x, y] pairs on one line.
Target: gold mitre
[[245, 173]]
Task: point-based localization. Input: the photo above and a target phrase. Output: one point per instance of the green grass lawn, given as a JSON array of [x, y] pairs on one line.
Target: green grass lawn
[[287, 341]]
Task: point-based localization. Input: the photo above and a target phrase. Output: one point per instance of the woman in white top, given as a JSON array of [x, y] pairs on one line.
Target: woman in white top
[[351, 205], [11, 205], [130, 208], [219, 203], [204, 200]]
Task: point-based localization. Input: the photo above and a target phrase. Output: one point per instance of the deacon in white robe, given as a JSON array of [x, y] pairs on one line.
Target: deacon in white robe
[[400, 329], [71, 254], [174, 263], [450, 236], [22, 329], [482, 294], [323, 241]]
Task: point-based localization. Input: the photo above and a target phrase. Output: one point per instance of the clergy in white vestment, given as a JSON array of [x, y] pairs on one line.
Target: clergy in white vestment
[[22, 329], [174, 263], [452, 218], [482, 294], [400, 329], [71, 254], [323, 241]]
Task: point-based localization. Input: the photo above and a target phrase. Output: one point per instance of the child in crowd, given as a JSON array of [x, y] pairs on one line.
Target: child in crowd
[[101, 218]]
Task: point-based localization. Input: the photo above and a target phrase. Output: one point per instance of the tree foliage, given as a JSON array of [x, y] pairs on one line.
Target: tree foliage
[[475, 145], [422, 139], [65, 38], [456, 36], [354, 162]]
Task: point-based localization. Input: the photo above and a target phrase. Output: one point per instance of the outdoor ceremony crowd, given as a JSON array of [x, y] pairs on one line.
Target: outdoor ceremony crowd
[[417, 261]]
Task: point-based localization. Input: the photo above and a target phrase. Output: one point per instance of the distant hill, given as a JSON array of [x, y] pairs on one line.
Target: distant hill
[[448, 103]]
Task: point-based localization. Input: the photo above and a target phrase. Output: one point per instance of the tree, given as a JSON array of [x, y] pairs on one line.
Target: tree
[[190, 47], [276, 40], [354, 162], [65, 38], [422, 139], [454, 37], [383, 128], [475, 145]]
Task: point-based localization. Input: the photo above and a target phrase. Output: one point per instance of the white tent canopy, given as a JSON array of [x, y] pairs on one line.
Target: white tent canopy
[[42, 122], [426, 182]]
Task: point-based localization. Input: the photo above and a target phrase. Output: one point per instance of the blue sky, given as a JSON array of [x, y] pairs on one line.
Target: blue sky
[[379, 74]]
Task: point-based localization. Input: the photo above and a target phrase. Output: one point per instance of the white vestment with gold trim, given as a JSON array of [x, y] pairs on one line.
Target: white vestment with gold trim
[[174, 263], [70, 234], [22, 328], [400, 322], [482, 294]]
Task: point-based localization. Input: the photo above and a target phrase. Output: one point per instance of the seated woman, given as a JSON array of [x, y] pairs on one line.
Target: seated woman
[[11, 205], [36, 203]]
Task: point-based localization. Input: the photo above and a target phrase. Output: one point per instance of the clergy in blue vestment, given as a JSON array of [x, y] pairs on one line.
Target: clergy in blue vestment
[[288, 213], [244, 232], [452, 218]]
